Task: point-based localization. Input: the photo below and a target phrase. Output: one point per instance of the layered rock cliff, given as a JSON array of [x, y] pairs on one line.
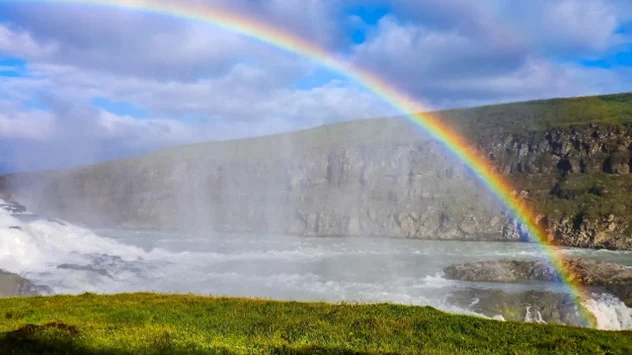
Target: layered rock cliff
[[577, 177], [366, 178]]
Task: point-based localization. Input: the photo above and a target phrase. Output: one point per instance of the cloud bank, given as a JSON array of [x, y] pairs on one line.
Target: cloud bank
[[119, 83]]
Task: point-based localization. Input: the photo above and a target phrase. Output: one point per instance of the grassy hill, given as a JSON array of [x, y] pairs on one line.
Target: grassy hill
[[181, 324], [541, 115]]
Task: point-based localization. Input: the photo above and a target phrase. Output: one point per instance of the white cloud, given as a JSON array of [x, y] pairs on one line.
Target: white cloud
[[244, 102], [196, 82], [21, 43], [569, 27], [134, 43], [21, 123], [465, 52]]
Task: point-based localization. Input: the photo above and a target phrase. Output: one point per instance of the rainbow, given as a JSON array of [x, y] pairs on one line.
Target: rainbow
[[453, 142]]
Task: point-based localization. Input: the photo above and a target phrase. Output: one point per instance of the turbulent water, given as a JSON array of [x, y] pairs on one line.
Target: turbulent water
[[70, 259]]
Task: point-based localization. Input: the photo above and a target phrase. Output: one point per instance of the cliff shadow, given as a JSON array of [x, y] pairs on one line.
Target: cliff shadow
[[59, 338]]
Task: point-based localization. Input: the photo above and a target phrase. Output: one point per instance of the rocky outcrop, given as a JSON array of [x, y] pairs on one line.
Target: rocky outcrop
[[501, 271], [530, 306], [587, 148], [615, 279], [578, 177], [12, 285]]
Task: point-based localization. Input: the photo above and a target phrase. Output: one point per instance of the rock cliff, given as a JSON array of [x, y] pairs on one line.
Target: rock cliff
[[577, 177], [378, 177]]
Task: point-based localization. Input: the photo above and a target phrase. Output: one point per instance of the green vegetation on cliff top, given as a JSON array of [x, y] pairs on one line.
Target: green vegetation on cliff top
[[544, 114], [184, 324]]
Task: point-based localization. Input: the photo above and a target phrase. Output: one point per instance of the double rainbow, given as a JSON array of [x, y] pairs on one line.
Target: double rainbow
[[453, 142]]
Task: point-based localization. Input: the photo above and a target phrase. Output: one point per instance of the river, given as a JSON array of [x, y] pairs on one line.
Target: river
[[70, 259]]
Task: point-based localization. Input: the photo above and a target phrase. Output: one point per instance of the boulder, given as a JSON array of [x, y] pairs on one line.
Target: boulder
[[531, 306], [501, 271], [614, 278], [88, 268]]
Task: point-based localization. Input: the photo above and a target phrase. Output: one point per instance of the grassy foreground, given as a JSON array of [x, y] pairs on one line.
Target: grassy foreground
[[183, 324]]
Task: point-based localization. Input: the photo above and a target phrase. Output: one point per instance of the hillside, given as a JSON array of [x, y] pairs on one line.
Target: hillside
[[569, 158], [181, 324]]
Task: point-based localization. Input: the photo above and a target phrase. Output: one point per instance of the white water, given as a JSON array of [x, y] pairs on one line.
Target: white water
[[279, 267], [610, 312]]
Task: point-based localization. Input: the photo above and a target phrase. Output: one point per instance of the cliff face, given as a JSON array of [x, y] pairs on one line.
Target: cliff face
[[410, 188], [578, 178], [365, 178]]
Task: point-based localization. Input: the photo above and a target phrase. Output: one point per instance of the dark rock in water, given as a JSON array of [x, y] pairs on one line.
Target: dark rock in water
[[19, 211], [13, 207], [14, 285], [27, 217], [614, 278], [501, 271], [55, 220], [101, 272], [106, 258], [531, 306], [10, 204]]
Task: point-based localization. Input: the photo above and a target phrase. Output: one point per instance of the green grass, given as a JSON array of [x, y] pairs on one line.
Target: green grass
[[541, 115], [184, 324]]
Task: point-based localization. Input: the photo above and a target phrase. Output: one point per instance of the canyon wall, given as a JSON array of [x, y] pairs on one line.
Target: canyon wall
[[379, 177]]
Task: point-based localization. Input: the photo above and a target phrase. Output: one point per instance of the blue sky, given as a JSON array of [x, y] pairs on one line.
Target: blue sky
[[84, 83]]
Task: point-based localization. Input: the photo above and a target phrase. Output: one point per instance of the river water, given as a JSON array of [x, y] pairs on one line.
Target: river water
[[70, 259]]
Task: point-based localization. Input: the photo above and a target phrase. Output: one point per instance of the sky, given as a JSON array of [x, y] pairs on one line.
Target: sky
[[81, 84]]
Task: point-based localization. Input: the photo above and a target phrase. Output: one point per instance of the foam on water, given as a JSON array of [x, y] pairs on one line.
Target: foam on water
[[611, 313], [533, 316], [68, 258], [71, 259], [38, 244]]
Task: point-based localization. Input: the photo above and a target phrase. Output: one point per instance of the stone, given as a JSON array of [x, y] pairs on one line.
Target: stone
[[614, 278], [530, 306]]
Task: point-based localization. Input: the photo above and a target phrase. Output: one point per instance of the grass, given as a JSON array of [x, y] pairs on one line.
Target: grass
[[185, 324], [539, 115]]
